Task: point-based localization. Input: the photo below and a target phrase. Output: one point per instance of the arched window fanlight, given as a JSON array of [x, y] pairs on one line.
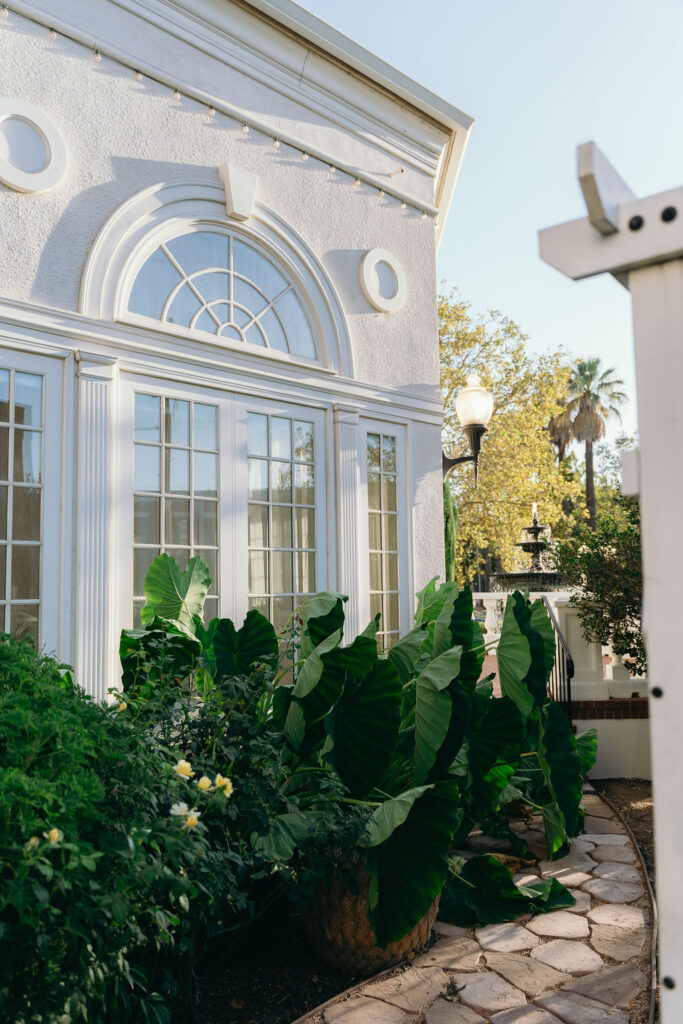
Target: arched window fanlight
[[220, 284]]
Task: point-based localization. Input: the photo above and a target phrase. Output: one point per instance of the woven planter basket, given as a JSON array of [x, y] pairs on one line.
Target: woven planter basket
[[337, 924]]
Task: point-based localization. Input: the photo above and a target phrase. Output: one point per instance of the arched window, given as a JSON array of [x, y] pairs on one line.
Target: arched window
[[219, 283]]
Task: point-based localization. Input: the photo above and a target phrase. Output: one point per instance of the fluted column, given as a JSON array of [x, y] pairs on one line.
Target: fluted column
[[95, 588], [349, 533]]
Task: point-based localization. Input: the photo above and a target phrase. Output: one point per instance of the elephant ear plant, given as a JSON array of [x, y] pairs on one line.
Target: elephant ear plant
[[423, 751]]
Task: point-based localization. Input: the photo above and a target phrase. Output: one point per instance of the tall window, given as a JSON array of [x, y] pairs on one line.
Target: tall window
[[176, 488], [220, 284], [383, 535], [21, 485], [282, 542]]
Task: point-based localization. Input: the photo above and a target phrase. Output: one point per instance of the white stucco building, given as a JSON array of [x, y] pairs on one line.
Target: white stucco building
[[197, 353]]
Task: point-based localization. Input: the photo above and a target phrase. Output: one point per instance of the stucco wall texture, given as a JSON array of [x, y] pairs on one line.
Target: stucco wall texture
[[124, 135]]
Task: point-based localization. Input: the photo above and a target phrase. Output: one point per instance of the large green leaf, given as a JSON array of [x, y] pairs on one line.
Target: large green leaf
[[433, 709], [159, 652], [495, 736], [540, 620], [408, 869], [363, 727], [407, 652], [389, 815], [587, 749], [308, 674], [561, 765], [431, 599], [175, 595], [455, 626], [285, 833], [321, 614], [514, 658], [481, 891], [236, 651]]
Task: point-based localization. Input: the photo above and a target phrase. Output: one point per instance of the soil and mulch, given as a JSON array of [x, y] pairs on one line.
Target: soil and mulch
[[274, 977]]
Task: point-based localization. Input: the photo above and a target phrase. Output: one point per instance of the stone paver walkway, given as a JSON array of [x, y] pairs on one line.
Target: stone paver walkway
[[578, 967]]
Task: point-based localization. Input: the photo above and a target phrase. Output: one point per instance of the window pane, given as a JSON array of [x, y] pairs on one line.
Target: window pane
[[206, 523], [25, 620], [200, 250], [258, 526], [303, 441], [376, 606], [205, 422], [391, 569], [282, 527], [272, 328], [177, 521], [146, 520], [254, 335], [295, 323], [26, 515], [4, 396], [248, 297], [154, 282], [212, 286], [257, 435], [210, 610], [147, 468], [142, 559], [258, 480], [282, 612], [258, 269], [211, 559], [28, 399], [3, 516], [258, 572], [184, 307], [4, 453], [304, 493], [376, 572], [3, 583], [137, 608], [206, 474], [389, 454], [373, 451], [375, 531], [27, 447], [177, 471], [177, 422], [391, 611], [260, 604], [305, 572], [390, 533], [25, 572], [147, 418], [281, 481], [280, 438], [389, 492], [305, 527], [181, 555], [282, 572], [373, 491]]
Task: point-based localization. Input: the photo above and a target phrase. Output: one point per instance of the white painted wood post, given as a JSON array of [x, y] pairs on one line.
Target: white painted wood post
[[640, 242], [94, 643]]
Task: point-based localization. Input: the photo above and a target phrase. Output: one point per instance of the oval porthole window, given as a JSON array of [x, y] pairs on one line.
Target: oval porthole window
[[382, 280], [32, 151]]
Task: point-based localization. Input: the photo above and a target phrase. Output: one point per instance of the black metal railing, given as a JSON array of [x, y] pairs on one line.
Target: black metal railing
[[560, 682]]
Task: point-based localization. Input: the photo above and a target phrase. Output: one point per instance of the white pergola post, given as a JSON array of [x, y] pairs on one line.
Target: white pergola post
[[640, 242]]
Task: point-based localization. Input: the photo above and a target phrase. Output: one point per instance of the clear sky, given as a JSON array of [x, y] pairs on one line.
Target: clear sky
[[539, 77]]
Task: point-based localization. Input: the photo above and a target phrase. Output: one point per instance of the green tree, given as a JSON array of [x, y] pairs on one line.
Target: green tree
[[603, 567], [449, 521], [594, 394], [517, 465]]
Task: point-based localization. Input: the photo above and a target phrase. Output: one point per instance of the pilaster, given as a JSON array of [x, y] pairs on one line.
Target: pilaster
[[349, 533]]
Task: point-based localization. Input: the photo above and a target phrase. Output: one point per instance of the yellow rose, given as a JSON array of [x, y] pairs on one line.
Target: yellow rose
[[54, 835], [123, 705], [184, 769], [204, 782], [224, 784], [192, 818], [33, 842]]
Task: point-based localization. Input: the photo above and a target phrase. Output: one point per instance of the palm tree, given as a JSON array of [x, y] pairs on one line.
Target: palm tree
[[593, 396]]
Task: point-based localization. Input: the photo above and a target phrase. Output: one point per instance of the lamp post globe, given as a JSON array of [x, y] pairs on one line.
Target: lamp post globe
[[474, 408]]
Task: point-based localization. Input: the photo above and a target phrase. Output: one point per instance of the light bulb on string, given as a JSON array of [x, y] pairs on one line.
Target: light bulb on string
[[356, 183], [276, 143], [138, 76], [304, 156], [245, 129], [212, 111], [4, 13], [97, 56], [380, 194], [52, 34]]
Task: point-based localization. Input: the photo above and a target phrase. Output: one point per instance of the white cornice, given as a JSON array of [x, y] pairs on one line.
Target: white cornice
[[60, 333]]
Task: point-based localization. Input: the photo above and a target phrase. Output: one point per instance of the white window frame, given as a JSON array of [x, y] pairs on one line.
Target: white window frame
[[405, 604], [52, 573], [233, 512]]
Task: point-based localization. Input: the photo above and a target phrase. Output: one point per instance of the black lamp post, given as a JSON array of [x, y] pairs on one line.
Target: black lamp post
[[473, 406]]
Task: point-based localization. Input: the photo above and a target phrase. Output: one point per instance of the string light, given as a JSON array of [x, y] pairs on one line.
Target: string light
[[357, 182]]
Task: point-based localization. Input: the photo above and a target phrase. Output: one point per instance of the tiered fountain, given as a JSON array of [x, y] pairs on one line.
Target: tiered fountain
[[538, 577]]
